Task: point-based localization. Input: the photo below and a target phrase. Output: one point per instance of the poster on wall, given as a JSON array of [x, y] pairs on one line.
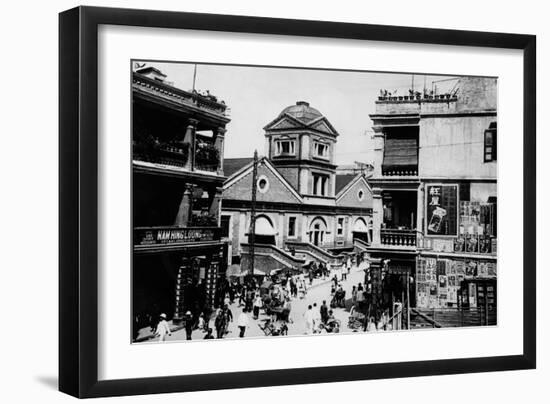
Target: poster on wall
[[441, 210]]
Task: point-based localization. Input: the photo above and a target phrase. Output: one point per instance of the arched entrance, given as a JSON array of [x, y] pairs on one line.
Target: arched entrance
[[317, 231], [264, 230], [361, 230]]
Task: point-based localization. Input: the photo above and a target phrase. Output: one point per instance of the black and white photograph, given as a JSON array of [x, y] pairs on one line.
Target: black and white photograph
[[276, 201]]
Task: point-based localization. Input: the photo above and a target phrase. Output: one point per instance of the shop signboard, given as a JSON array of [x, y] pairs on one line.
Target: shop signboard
[[174, 235], [442, 210]]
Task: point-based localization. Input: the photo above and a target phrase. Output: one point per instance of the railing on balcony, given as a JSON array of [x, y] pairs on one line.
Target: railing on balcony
[[407, 171], [418, 97], [151, 150], [173, 235], [172, 154], [209, 102], [397, 237], [207, 157]]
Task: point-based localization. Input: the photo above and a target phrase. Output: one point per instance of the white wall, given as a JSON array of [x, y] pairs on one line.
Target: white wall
[[28, 293]]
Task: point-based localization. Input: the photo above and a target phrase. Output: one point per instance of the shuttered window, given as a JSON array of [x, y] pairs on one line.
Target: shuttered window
[[490, 143], [400, 155]]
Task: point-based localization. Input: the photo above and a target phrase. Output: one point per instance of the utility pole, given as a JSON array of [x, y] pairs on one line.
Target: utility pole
[[194, 76], [252, 231]]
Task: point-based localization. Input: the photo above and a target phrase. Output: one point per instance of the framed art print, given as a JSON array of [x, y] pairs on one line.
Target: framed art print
[[241, 194]]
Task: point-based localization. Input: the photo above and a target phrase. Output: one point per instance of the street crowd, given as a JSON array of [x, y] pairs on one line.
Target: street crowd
[[269, 305]]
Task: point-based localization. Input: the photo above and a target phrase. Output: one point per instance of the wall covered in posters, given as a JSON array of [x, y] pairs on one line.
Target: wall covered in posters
[[477, 229], [438, 280], [441, 210]]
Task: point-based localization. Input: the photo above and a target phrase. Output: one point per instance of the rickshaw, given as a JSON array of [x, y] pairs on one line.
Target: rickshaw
[[274, 327], [339, 299], [332, 325], [356, 319]]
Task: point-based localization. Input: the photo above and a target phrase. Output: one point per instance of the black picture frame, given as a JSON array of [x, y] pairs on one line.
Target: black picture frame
[[78, 203]]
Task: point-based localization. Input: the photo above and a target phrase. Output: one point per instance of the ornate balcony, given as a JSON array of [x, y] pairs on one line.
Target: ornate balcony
[[396, 237], [207, 157], [394, 172], [153, 151], [418, 97], [207, 102], [176, 154]]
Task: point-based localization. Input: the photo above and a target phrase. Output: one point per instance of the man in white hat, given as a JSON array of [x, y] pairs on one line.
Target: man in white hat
[[188, 325], [163, 329]]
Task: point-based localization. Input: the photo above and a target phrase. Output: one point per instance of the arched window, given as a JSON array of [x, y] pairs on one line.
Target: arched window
[[317, 231]]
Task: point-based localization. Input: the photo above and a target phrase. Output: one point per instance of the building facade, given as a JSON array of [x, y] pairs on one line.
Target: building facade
[[435, 194], [303, 206], [177, 181]]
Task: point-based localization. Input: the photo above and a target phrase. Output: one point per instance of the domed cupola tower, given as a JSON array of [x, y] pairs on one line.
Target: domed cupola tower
[[300, 143]]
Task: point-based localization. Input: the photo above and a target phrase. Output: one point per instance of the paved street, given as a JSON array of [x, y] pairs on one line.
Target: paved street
[[315, 294]]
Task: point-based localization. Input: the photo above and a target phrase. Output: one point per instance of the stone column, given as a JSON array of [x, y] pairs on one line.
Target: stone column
[[282, 230], [189, 140], [219, 137], [378, 150], [377, 215], [215, 199], [184, 211]]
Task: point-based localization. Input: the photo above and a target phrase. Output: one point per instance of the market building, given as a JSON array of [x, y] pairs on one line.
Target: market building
[[305, 211], [177, 179], [435, 198]]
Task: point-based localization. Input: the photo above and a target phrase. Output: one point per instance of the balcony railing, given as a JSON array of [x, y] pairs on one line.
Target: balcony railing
[[207, 156], [208, 102], [396, 237], [173, 235], [408, 171], [418, 97], [162, 153]]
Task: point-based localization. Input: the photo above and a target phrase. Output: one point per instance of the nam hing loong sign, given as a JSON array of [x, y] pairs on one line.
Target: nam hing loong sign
[[174, 235]]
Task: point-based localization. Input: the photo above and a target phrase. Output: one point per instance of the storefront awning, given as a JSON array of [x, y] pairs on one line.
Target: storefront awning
[[399, 152]]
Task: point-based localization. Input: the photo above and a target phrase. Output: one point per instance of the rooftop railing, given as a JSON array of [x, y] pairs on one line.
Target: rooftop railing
[[208, 102], [417, 97]]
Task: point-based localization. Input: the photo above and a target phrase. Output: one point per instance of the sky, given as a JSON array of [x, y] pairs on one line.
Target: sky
[[257, 95]]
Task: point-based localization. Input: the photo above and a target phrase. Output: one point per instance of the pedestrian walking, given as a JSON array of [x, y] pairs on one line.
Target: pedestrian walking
[[301, 289], [242, 323], [323, 310], [202, 321], [163, 329], [222, 321], [227, 299], [316, 319], [308, 317], [188, 320], [287, 307], [257, 306]]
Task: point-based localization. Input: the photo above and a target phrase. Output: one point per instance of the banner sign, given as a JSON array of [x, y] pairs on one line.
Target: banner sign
[[174, 235], [441, 210]]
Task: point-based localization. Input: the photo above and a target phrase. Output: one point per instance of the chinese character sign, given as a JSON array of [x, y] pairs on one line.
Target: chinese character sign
[[442, 210]]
